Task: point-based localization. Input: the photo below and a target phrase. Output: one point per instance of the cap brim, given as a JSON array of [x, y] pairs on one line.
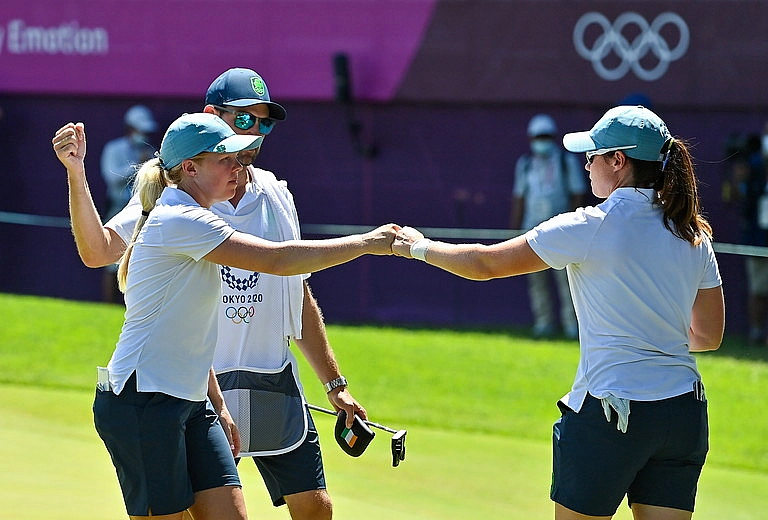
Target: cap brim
[[579, 142], [276, 111], [237, 143]]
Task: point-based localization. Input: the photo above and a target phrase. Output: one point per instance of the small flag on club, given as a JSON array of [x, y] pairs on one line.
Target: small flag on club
[[349, 436]]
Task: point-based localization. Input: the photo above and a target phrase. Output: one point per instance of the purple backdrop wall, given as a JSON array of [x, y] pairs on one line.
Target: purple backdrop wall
[[444, 91], [437, 166]]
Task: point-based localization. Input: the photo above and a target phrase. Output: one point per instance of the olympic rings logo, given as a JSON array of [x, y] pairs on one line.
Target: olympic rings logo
[[649, 40], [240, 314]]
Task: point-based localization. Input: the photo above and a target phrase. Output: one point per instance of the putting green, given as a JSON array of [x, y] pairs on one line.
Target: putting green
[[54, 466]]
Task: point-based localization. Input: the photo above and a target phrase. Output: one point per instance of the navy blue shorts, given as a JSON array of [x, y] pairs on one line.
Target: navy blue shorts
[[296, 471], [164, 449], [657, 462]]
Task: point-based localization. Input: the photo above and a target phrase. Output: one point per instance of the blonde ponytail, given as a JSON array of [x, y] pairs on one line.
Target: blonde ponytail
[[151, 179]]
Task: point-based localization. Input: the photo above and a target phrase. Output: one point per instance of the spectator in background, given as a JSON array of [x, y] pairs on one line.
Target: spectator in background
[[119, 160], [743, 190], [548, 181]]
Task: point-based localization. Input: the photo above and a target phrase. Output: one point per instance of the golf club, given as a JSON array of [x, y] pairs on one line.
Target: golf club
[[398, 437]]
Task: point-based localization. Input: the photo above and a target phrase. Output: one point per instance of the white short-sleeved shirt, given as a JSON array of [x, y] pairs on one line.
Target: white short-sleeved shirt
[[169, 334], [257, 315], [252, 309], [633, 285]]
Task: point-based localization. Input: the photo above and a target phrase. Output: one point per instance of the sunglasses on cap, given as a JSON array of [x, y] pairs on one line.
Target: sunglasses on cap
[[601, 151], [246, 120]]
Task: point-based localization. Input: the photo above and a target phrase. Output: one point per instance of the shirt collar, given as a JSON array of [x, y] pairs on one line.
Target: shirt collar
[[631, 193]]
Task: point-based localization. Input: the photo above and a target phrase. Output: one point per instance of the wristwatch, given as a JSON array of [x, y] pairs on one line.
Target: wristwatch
[[335, 383]]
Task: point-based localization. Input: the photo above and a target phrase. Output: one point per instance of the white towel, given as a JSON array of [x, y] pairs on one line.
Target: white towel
[[282, 204]]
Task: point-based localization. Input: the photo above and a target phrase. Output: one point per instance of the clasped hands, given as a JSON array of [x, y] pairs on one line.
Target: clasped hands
[[401, 239]]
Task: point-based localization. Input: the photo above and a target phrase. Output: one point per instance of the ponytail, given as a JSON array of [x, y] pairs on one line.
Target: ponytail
[[675, 182], [151, 179]]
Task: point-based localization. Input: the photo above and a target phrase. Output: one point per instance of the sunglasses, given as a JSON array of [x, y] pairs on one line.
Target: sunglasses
[[602, 151], [246, 120]]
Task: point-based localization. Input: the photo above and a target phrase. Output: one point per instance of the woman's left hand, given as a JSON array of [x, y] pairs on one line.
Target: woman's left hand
[[230, 430], [404, 239]]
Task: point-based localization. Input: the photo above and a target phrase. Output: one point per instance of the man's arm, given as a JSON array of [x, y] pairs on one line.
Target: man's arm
[[319, 354]]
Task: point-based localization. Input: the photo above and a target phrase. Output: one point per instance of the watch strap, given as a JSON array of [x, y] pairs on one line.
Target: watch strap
[[335, 383]]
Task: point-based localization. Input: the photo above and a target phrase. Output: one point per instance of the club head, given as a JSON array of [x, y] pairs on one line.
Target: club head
[[398, 447]]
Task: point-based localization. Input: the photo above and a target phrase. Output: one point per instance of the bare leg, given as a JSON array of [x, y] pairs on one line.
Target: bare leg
[[221, 503], [646, 512], [563, 513], [310, 505], [175, 516]]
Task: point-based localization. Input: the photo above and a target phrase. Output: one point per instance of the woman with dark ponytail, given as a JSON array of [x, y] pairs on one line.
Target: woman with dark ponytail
[[647, 292]]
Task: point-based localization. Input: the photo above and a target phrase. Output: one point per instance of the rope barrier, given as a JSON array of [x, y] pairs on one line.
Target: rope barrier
[[7, 217], [24, 219]]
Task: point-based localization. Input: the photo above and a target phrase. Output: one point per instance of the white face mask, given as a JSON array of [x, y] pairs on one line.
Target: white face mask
[[542, 146]]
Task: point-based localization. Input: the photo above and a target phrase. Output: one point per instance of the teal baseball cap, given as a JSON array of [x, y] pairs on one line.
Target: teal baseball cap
[[635, 130], [193, 134], [241, 87]]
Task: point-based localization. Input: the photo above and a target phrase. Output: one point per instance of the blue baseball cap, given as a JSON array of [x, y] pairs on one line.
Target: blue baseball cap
[[635, 130], [193, 134], [242, 88]]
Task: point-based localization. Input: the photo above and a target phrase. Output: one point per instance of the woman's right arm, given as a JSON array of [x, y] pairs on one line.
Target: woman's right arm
[[97, 246], [707, 320], [292, 257]]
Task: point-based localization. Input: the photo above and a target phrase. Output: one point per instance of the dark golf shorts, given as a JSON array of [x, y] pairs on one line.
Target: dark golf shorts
[[656, 462], [296, 471], [164, 449]]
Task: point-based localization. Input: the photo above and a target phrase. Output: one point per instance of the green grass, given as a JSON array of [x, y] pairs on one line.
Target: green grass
[[478, 407]]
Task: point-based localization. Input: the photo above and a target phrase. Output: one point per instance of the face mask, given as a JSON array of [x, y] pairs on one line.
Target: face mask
[[138, 139], [542, 146]]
